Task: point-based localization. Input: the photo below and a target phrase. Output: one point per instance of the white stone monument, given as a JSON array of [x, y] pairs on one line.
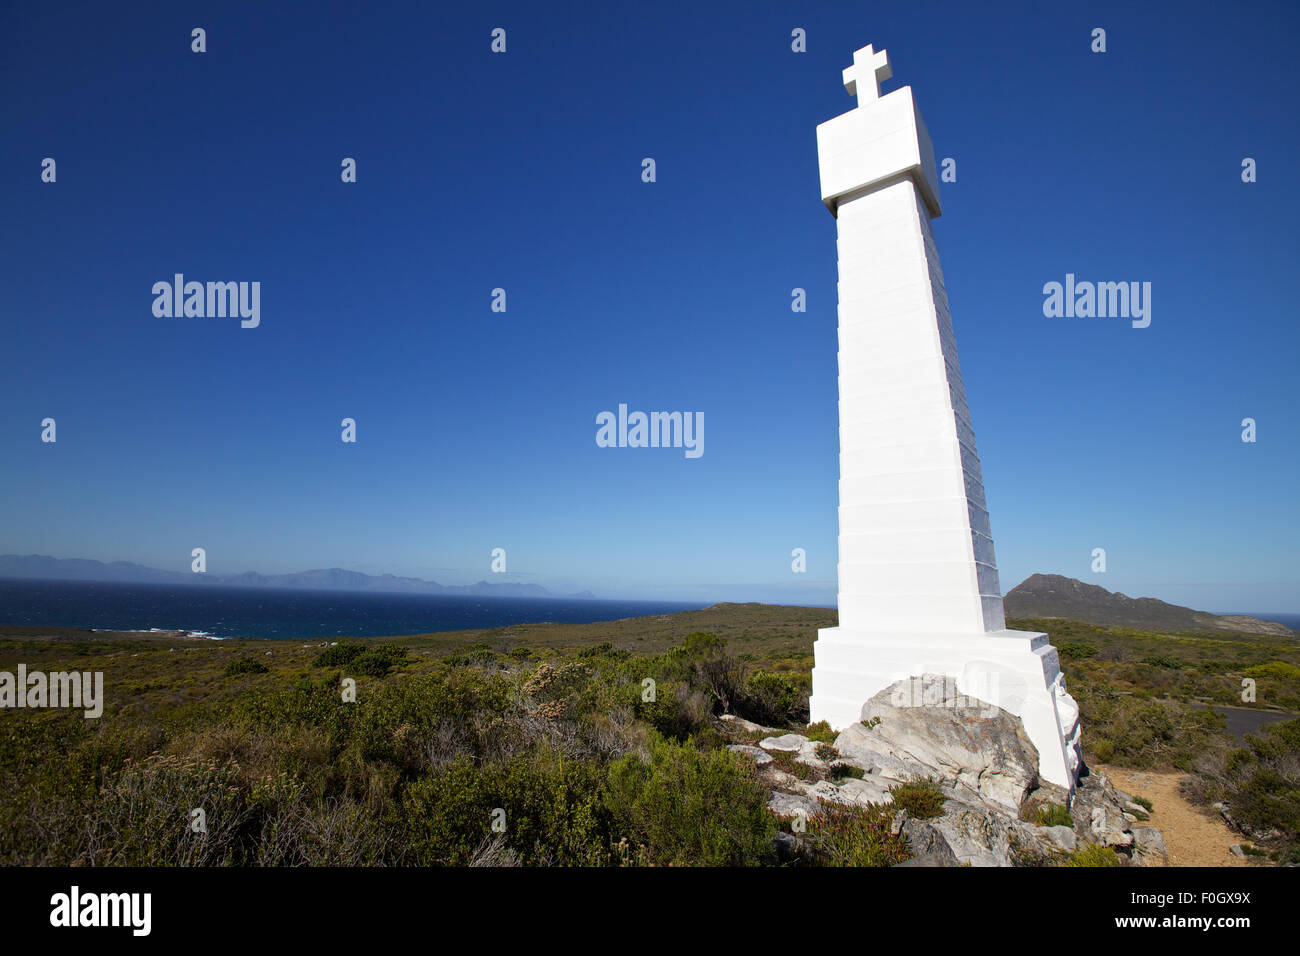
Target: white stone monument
[[918, 582]]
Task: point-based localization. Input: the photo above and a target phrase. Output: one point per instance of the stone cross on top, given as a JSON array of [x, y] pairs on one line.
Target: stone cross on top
[[873, 68]]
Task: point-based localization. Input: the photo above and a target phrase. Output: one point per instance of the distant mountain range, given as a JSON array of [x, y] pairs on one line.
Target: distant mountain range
[[324, 579], [1053, 595]]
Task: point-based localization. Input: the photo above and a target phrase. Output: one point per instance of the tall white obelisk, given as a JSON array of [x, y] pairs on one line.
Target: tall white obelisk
[[918, 582]]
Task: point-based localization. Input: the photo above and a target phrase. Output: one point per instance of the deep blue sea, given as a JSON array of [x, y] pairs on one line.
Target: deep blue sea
[[298, 615]]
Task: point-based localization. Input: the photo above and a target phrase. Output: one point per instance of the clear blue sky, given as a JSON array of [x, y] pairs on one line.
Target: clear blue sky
[[475, 171]]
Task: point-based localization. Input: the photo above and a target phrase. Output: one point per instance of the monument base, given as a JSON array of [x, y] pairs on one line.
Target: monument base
[[1015, 670]]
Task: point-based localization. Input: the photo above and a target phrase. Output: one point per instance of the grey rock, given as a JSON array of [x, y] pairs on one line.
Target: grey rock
[[1149, 847], [775, 777], [897, 822], [930, 859], [787, 805], [926, 842], [957, 741], [760, 756], [807, 754], [860, 792], [788, 846], [1098, 813], [1237, 850], [1062, 837], [976, 835], [789, 743], [740, 723]]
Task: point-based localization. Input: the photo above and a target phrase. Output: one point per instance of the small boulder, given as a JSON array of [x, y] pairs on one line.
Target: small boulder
[[760, 756], [788, 805], [1149, 847], [1062, 837], [740, 723]]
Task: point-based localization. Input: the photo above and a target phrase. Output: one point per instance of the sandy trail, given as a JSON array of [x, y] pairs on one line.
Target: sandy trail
[[1192, 836]]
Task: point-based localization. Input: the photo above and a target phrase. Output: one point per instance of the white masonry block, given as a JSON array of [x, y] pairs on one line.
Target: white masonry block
[[918, 579]]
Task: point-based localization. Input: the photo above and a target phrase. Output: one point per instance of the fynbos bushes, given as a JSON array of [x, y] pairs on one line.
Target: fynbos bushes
[[484, 758]]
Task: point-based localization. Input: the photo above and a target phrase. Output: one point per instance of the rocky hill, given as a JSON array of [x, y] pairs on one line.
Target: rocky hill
[[1054, 595]]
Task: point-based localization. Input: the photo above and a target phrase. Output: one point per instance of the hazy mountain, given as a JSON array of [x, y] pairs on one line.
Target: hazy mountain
[[38, 566], [1053, 595]]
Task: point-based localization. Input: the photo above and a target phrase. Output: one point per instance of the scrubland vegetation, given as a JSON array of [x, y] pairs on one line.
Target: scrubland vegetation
[[1155, 701], [553, 733], [587, 756]]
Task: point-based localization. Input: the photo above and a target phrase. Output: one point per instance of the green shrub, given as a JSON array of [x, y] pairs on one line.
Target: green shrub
[[775, 699], [1144, 803], [1275, 670], [787, 762], [701, 644], [339, 654], [1261, 782], [378, 660], [685, 807], [1094, 854], [551, 809], [855, 836], [1165, 661], [244, 665], [1126, 730], [922, 799], [821, 732], [1053, 815], [1075, 650]]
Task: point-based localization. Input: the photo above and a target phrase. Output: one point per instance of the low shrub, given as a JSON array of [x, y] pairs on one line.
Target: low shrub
[[683, 807], [1053, 815], [855, 836], [796, 768], [1165, 661], [820, 732], [922, 799], [1094, 854], [775, 699], [244, 665], [339, 654]]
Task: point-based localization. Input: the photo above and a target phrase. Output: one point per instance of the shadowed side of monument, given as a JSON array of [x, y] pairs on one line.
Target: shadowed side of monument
[[918, 580]]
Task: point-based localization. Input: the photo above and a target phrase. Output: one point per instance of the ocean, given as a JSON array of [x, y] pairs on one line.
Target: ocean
[[224, 612]]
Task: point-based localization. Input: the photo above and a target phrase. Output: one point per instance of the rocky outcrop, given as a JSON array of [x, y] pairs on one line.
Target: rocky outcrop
[[1098, 813], [957, 741], [981, 761]]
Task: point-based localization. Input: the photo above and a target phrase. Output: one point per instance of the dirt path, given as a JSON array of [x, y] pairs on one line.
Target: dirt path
[[1193, 838]]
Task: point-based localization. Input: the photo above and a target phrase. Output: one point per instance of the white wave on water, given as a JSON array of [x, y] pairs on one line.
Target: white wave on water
[[159, 630]]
